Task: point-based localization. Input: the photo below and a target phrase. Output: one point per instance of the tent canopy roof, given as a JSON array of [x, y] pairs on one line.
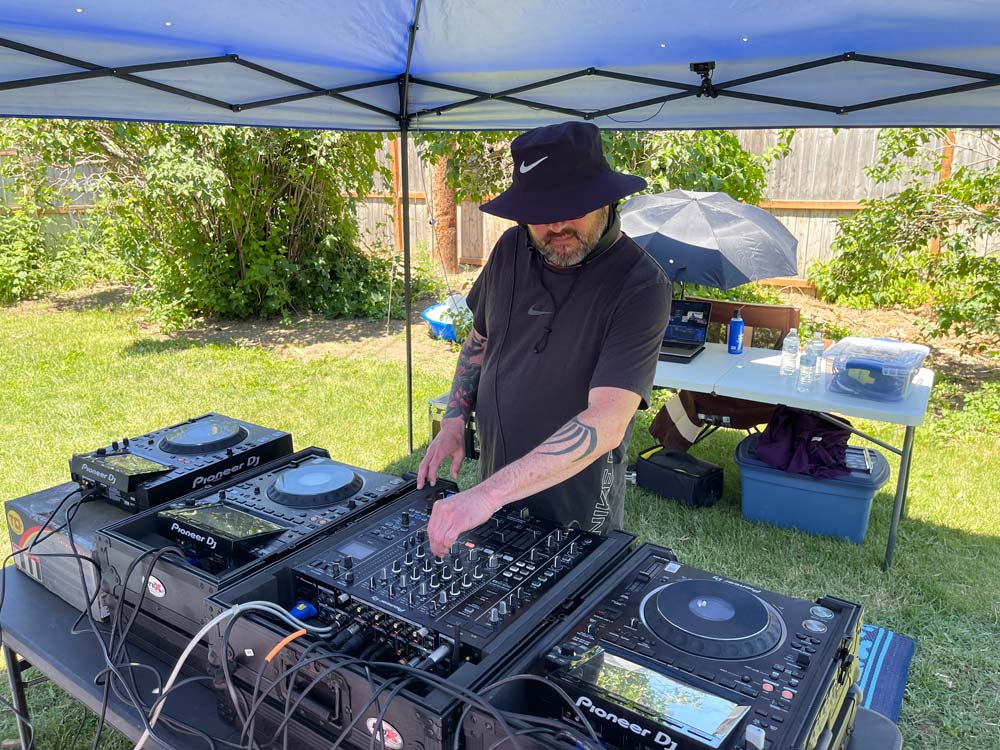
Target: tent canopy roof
[[338, 64]]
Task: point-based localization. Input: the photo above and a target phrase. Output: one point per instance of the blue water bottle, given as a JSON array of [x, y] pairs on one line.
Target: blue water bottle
[[736, 333]]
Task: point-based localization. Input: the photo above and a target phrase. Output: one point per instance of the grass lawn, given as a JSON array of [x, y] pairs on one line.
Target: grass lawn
[[75, 376]]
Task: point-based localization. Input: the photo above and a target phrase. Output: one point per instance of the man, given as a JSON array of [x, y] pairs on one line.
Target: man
[[568, 316]]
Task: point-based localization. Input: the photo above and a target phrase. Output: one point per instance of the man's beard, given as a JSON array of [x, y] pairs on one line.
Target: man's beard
[[573, 254]]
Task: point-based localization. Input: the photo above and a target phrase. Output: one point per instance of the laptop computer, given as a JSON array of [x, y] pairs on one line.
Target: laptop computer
[[686, 331]]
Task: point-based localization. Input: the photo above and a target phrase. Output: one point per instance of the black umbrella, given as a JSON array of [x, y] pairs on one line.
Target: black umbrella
[[709, 238]]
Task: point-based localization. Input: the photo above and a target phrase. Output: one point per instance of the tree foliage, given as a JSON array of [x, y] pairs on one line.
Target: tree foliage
[[706, 160], [221, 220], [882, 253]]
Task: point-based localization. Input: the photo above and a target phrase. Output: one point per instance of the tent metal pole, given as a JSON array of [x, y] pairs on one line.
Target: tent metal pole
[[404, 180]]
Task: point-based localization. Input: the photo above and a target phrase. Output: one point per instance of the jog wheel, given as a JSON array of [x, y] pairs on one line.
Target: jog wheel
[[314, 485], [712, 619], [204, 436]]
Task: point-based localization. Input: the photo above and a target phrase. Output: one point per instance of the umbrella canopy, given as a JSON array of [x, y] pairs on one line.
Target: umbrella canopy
[[709, 238]]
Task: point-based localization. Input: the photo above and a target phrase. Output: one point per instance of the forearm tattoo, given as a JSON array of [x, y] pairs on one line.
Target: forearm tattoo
[[569, 439], [465, 386]]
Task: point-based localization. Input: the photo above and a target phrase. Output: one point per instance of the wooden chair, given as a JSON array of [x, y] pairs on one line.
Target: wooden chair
[[764, 326]]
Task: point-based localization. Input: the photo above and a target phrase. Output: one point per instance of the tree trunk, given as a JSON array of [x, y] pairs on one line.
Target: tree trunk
[[445, 218]]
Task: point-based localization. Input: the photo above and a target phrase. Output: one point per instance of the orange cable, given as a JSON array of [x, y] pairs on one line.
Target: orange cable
[[284, 642]]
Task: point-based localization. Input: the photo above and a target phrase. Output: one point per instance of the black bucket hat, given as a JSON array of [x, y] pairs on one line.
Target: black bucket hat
[[560, 173]]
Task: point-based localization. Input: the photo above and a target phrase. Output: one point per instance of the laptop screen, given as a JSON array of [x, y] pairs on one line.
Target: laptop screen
[[688, 322]]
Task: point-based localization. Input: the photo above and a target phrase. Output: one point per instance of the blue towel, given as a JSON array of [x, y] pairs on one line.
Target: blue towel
[[884, 658]]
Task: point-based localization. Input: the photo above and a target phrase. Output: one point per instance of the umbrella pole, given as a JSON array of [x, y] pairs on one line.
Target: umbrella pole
[[404, 178]]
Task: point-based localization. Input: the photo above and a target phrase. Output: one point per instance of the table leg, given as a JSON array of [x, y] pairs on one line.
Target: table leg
[[24, 730], [899, 505]]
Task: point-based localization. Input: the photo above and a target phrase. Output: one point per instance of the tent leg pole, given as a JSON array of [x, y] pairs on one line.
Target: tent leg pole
[[404, 179]]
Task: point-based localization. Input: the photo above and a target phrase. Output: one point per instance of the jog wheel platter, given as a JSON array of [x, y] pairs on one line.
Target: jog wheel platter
[[712, 618], [315, 485]]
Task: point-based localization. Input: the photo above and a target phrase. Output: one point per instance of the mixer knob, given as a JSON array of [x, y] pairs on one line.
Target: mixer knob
[[559, 535], [502, 608], [373, 584], [477, 572], [446, 574], [409, 558], [572, 548], [556, 563], [493, 561], [549, 542], [396, 567], [411, 598], [428, 565], [455, 589], [423, 588], [404, 518], [442, 598], [334, 568], [384, 575], [392, 589], [466, 581], [421, 552], [494, 616], [414, 576], [473, 554], [458, 565], [421, 535], [438, 561], [633, 623], [591, 627], [435, 581], [456, 548], [348, 562], [349, 578], [533, 555]]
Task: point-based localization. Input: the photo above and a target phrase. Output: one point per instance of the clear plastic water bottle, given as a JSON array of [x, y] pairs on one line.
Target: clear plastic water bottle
[[807, 370], [790, 353], [816, 346]]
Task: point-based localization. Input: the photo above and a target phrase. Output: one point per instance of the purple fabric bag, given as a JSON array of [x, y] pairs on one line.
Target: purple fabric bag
[[802, 442]]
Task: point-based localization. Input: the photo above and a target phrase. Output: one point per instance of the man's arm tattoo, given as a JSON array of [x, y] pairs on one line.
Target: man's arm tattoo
[[574, 435], [465, 386]]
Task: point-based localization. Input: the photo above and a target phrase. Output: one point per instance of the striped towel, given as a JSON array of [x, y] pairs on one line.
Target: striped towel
[[884, 659]]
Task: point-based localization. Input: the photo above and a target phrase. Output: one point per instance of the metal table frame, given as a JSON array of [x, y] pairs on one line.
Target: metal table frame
[[754, 375]]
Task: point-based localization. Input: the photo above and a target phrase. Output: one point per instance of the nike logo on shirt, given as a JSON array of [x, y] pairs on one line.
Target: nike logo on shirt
[[525, 168], [533, 311]]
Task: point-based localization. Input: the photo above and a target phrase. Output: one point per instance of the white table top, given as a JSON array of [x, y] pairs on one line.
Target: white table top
[[754, 375]]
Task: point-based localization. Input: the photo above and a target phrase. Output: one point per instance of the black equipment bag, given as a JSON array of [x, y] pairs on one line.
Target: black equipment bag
[[679, 476]]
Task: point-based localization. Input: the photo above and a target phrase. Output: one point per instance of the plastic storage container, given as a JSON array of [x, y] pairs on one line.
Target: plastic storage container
[[831, 507], [876, 369]]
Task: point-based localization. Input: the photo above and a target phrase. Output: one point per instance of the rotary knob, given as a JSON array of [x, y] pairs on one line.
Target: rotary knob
[[442, 598], [373, 583], [421, 535], [334, 568], [456, 588], [392, 589], [560, 535], [494, 616], [408, 559], [456, 548], [492, 563], [466, 581], [396, 567], [423, 588], [404, 519], [349, 578], [477, 572], [438, 561], [473, 554], [502, 608], [428, 566], [435, 581], [348, 562], [421, 552], [411, 598]]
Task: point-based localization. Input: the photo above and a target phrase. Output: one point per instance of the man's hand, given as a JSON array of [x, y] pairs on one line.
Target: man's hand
[[448, 443], [458, 513]]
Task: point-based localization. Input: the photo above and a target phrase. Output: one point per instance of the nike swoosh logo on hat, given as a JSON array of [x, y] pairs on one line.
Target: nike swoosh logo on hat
[[525, 168], [533, 311]]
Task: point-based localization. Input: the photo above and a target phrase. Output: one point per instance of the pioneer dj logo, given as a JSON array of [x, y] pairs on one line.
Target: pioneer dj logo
[[661, 738], [96, 473], [207, 481], [208, 541], [736, 583]]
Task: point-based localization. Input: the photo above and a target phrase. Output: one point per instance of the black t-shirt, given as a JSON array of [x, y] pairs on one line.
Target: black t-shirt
[[607, 319]]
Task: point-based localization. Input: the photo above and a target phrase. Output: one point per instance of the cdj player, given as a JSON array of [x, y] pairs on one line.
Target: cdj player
[[223, 534], [391, 602], [165, 464], [666, 657]]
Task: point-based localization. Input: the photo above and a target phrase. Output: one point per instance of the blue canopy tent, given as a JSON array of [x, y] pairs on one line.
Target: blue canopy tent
[[404, 65]]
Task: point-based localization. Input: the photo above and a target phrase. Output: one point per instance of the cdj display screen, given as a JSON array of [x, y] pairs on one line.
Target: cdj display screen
[[222, 520], [131, 465], [674, 703]]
